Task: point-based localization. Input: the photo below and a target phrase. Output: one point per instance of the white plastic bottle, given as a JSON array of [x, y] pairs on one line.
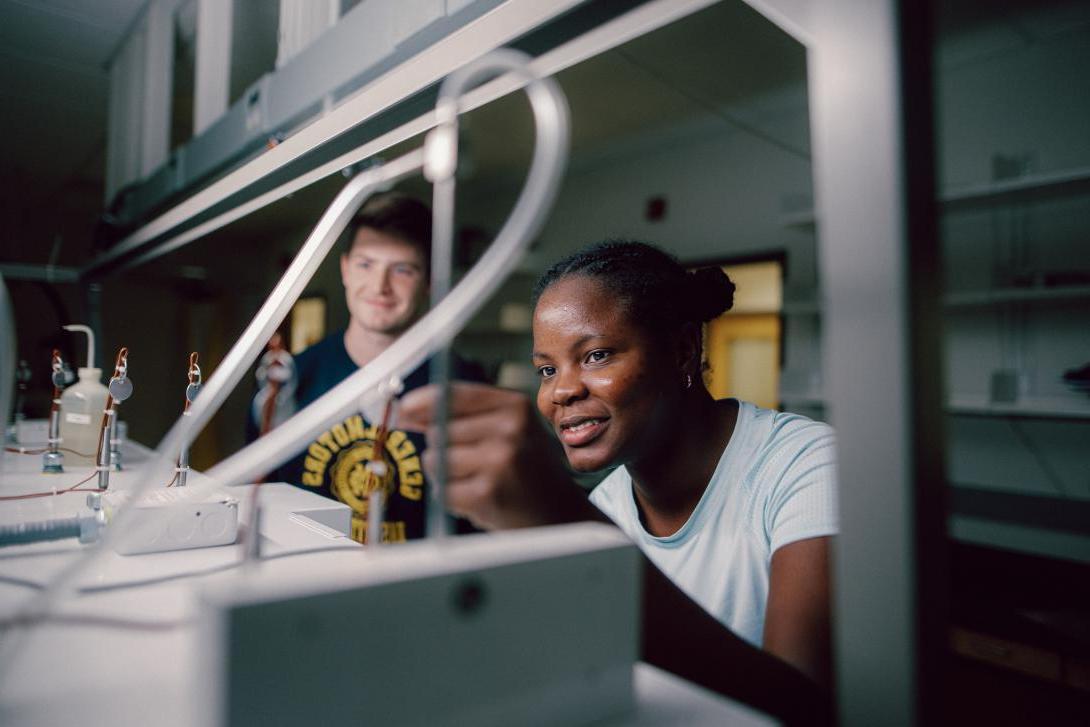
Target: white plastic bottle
[[81, 408]]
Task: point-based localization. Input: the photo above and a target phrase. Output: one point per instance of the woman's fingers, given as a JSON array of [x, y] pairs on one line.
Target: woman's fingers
[[502, 468], [473, 499], [465, 460], [417, 408]]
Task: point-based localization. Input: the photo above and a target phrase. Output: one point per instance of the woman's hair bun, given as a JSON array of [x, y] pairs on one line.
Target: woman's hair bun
[[710, 293]]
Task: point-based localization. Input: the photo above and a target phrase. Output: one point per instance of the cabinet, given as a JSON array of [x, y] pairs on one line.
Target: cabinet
[[1017, 295], [1017, 298], [1016, 316]]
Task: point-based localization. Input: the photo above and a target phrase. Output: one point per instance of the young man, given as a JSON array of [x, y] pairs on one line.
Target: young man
[[384, 269]]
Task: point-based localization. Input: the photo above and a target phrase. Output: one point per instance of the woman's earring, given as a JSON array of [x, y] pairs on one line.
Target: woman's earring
[[688, 381]]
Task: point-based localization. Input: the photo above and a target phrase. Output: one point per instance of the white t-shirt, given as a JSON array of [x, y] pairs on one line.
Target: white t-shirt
[[775, 483]]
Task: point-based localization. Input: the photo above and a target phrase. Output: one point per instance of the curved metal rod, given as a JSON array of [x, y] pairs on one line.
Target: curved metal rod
[[432, 332], [227, 375], [439, 326]]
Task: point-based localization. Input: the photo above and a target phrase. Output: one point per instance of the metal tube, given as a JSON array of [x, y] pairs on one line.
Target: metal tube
[[115, 445], [276, 307], [441, 268], [53, 459], [183, 467], [438, 327], [54, 427], [234, 366], [102, 462]]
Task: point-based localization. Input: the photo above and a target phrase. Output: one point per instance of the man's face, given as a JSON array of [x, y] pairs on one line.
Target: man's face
[[385, 286]]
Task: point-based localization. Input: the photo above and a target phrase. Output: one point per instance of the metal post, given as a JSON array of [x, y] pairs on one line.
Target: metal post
[[115, 445], [870, 109]]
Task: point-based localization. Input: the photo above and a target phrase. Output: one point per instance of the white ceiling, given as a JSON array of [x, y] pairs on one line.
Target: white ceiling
[[54, 92], [53, 87]]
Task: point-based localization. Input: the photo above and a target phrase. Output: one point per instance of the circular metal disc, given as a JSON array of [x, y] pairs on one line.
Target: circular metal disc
[[121, 389]]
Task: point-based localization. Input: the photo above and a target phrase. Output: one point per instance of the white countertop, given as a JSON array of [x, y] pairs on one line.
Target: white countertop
[[141, 669]]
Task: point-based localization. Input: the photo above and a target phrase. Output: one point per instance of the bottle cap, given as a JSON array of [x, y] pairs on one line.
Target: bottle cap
[[90, 372]]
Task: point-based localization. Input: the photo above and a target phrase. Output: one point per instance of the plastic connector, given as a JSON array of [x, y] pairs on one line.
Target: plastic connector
[[441, 153], [91, 526]]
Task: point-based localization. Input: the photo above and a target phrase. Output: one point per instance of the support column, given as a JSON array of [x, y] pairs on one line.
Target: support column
[[870, 93]]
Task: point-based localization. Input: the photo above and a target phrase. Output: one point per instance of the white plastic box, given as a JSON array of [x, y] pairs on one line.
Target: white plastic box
[[528, 627]]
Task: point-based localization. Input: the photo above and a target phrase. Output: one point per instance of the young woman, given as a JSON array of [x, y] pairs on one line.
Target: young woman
[[733, 503]]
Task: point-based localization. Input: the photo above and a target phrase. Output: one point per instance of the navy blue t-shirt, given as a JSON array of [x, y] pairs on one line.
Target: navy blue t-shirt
[[333, 464]]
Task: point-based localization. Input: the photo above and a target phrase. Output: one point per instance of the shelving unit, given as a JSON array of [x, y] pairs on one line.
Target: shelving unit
[[1031, 186], [978, 406], [1067, 181], [1028, 408], [1008, 300], [998, 296]]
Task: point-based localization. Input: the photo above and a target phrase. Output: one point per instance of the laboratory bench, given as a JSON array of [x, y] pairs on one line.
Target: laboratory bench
[[126, 647]]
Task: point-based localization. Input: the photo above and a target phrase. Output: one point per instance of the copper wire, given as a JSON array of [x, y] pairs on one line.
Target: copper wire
[[122, 360], [73, 488]]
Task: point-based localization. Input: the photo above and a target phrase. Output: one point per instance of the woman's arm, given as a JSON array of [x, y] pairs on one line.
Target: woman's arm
[[681, 637], [797, 620], [505, 471]]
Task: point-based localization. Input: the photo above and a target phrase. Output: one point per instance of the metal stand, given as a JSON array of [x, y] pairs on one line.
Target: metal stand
[[52, 459], [192, 388], [120, 389], [115, 445]]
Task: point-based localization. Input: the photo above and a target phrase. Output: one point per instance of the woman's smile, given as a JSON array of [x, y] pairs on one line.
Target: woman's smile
[[579, 431]]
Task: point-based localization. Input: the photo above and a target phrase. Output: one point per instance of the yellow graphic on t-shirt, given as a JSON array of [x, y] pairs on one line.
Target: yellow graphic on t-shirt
[[344, 451]]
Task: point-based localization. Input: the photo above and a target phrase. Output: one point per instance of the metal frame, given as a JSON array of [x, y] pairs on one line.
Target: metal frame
[[496, 28], [870, 114]]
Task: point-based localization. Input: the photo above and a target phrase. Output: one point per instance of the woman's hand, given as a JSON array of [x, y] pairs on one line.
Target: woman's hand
[[503, 469]]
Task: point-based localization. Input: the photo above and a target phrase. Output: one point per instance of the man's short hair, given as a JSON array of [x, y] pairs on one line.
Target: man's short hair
[[397, 215]]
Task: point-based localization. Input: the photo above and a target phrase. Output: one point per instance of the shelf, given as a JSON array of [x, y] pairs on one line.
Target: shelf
[[1028, 407], [1027, 187], [975, 298], [1031, 185], [1015, 295]]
